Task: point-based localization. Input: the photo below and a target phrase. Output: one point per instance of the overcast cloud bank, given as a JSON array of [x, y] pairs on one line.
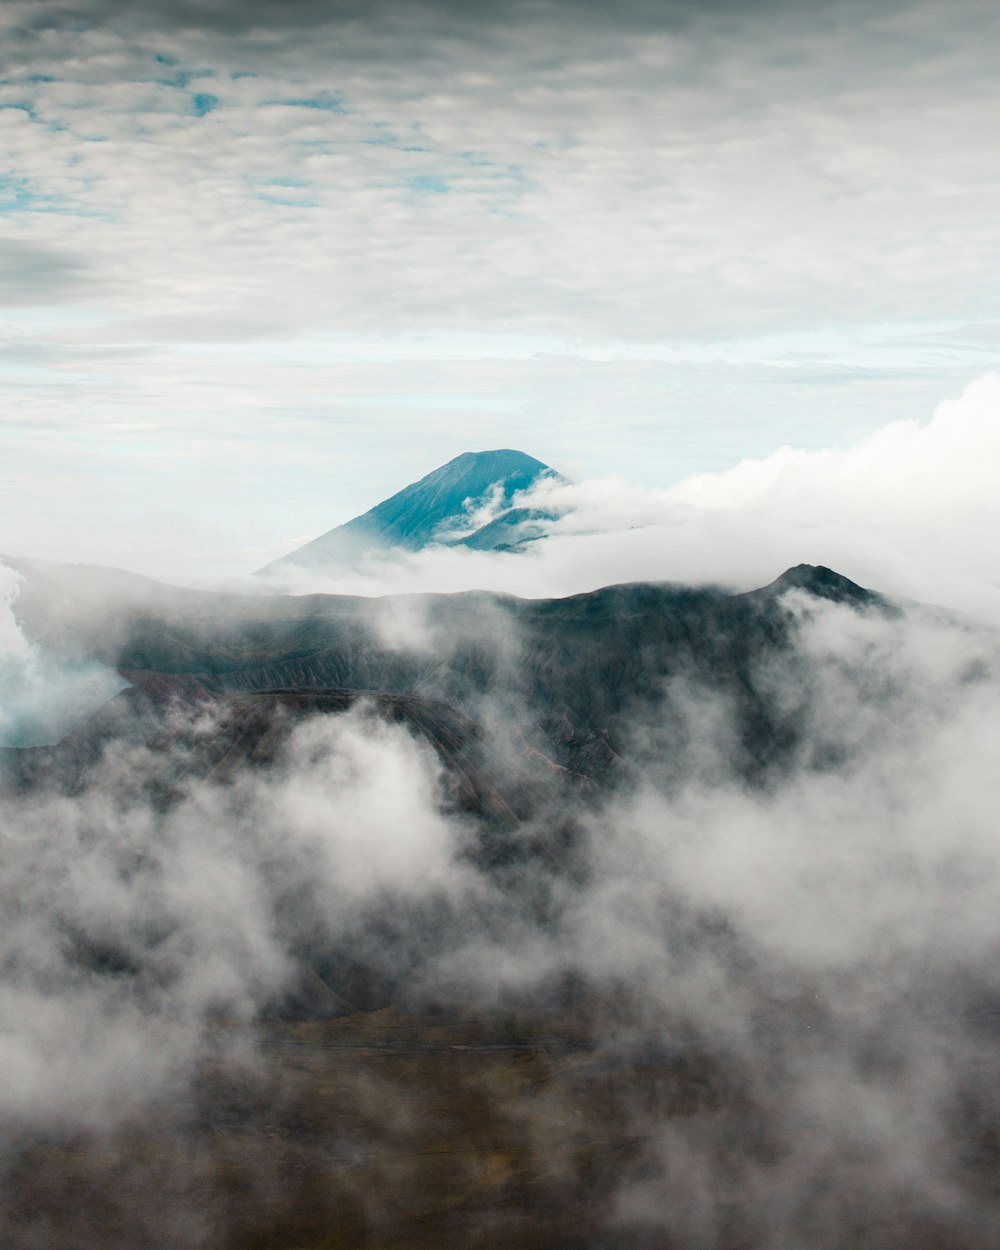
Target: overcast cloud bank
[[653, 240]]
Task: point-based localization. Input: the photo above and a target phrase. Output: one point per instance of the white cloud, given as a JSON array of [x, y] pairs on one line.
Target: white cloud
[[910, 511], [129, 926], [43, 693], [906, 474]]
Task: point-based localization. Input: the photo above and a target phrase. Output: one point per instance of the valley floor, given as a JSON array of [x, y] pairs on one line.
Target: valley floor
[[388, 1131]]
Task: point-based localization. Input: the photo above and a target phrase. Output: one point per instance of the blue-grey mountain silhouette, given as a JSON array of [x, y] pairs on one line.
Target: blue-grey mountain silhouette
[[437, 509]]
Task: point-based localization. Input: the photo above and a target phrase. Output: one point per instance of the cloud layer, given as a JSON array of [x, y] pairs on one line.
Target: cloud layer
[[238, 240]]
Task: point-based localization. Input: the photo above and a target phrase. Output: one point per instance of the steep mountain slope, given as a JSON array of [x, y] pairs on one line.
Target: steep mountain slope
[[425, 511]]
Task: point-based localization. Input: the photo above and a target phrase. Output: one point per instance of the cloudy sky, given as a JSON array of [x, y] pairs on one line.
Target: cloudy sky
[[263, 264]]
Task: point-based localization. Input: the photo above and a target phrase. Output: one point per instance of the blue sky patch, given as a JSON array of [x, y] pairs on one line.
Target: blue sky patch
[[429, 185], [15, 194], [394, 142], [322, 101], [285, 200], [285, 192], [18, 196], [204, 103]]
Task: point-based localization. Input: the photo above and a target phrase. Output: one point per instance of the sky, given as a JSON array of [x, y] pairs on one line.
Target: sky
[[261, 265]]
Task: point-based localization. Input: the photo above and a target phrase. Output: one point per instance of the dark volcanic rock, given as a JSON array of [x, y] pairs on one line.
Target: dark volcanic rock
[[824, 583], [578, 686]]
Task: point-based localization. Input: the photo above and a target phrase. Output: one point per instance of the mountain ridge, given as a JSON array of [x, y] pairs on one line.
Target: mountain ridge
[[582, 669]]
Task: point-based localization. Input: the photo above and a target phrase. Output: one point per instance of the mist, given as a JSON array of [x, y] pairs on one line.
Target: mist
[[131, 925], [44, 692], [817, 943]]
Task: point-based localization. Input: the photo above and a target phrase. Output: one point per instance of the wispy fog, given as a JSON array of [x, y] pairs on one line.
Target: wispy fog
[[825, 938], [43, 693], [130, 927]]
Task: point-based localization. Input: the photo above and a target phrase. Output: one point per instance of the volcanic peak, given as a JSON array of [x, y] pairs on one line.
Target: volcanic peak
[[434, 508]]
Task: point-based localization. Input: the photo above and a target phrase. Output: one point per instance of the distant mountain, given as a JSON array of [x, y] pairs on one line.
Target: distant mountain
[[437, 509]]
